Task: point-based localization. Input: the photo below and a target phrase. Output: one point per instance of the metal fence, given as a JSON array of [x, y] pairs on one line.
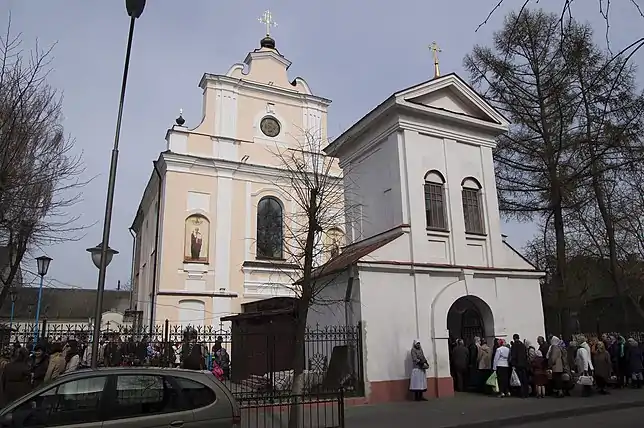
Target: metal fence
[[261, 363]]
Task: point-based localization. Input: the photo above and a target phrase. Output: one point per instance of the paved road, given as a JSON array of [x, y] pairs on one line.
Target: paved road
[[630, 418], [485, 412]]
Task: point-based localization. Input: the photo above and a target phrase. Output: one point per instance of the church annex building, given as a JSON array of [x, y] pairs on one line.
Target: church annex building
[[425, 259]]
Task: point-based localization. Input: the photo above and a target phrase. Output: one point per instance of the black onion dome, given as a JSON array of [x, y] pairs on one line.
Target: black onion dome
[[180, 120], [267, 42]]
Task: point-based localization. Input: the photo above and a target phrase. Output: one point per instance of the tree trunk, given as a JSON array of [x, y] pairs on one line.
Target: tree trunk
[[295, 418], [560, 271]]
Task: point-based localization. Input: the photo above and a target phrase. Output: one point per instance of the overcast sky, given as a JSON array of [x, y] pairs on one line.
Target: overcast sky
[[355, 52]]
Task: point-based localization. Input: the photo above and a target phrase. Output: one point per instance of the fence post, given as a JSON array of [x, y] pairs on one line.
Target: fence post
[[360, 359], [43, 332], [166, 343], [341, 408]]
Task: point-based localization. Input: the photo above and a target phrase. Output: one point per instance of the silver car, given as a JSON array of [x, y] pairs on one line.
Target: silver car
[[124, 397]]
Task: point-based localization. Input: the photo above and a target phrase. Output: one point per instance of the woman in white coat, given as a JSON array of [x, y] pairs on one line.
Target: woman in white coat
[[418, 379], [584, 368], [501, 366]]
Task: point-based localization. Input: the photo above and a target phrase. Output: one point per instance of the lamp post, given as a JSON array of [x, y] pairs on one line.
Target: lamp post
[[43, 267], [134, 10], [97, 253], [13, 295]]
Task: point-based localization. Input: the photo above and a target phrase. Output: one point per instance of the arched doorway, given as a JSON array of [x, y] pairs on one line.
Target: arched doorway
[[470, 317], [467, 318]]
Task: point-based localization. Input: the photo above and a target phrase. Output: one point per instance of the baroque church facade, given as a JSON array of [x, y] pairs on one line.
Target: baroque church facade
[[222, 218], [422, 253]]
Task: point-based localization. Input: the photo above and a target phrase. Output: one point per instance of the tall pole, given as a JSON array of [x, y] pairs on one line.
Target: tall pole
[[13, 308], [98, 310], [33, 346]]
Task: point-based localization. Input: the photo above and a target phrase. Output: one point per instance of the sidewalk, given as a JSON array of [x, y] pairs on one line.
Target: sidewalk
[[478, 411]]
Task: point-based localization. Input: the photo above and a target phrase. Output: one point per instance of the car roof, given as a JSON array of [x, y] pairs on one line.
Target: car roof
[[162, 371]]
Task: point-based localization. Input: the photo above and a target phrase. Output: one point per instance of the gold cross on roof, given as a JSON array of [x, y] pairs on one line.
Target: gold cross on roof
[[267, 19], [435, 50]]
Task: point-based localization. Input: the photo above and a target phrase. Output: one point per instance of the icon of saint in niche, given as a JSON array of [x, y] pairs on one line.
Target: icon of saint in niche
[[196, 243], [196, 240]]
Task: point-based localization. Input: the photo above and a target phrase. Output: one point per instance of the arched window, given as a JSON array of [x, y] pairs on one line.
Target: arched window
[[472, 206], [270, 227], [435, 206]]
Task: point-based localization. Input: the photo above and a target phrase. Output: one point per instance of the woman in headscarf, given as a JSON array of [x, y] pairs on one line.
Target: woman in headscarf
[[584, 367], [603, 367], [418, 379], [539, 374], [556, 365], [622, 362], [501, 366]]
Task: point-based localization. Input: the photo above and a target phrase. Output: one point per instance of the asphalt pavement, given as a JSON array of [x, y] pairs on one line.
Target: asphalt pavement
[[629, 418], [478, 411]]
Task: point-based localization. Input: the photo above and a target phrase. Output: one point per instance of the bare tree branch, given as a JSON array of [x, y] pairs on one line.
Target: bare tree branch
[[40, 176]]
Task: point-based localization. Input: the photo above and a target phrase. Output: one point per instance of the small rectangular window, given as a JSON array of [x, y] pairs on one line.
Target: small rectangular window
[[472, 211], [71, 403], [435, 210], [144, 395], [195, 394]]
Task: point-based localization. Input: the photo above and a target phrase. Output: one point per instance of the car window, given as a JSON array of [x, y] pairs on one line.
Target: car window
[[141, 395], [69, 403], [195, 394]]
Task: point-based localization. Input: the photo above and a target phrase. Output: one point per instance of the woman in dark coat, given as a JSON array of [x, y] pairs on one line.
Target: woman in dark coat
[[16, 379], [39, 368], [603, 367], [635, 363]]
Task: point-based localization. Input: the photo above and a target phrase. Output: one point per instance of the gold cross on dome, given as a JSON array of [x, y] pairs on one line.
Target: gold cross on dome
[[435, 51], [267, 19]]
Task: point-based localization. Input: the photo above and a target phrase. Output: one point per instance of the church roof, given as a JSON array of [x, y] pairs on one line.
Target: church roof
[[476, 111], [352, 254]]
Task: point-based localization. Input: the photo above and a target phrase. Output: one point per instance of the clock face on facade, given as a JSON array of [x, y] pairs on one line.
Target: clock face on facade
[[270, 126]]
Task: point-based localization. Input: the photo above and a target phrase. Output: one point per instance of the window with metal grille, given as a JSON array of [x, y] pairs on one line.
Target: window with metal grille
[[472, 207], [435, 209]]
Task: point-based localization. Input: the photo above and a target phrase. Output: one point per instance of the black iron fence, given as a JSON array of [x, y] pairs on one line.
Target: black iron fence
[[259, 365]]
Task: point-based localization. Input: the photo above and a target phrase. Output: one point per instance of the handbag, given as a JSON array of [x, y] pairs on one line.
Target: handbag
[[585, 380], [493, 382], [514, 379]]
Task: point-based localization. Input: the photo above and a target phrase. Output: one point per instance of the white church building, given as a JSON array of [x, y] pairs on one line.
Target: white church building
[[424, 255], [427, 260]]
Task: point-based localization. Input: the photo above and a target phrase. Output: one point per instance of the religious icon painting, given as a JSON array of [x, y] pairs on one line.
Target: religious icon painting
[[197, 239]]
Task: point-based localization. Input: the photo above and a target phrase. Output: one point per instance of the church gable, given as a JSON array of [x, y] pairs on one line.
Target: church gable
[[451, 94], [449, 100]]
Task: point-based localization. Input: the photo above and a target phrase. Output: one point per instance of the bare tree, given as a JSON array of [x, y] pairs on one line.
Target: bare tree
[[40, 177], [525, 76], [609, 142], [313, 232], [566, 12]]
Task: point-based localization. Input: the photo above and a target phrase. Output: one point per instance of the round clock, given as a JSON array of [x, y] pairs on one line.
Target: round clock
[[270, 126]]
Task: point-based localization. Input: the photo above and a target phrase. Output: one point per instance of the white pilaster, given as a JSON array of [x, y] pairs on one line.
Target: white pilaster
[[224, 230], [248, 213]]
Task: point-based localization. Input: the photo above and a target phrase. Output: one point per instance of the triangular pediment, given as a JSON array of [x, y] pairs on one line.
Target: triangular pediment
[[452, 95]]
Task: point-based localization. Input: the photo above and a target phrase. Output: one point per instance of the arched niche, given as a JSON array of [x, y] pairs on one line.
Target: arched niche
[[197, 239]]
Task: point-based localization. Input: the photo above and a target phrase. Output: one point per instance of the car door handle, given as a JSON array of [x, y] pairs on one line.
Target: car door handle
[[176, 424]]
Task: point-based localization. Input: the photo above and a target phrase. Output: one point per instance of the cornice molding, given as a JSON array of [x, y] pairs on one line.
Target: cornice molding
[[210, 166], [210, 80]]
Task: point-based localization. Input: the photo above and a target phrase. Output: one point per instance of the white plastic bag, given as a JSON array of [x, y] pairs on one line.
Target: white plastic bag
[[514, 380]]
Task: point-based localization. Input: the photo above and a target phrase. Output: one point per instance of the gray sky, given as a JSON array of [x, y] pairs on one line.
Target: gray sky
[[355, 52]]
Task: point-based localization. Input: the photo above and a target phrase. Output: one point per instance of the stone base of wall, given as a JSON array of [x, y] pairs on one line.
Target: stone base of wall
[[398, 390]]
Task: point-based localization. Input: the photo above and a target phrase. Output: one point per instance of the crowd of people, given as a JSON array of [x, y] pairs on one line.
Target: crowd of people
[[551, 367], [24, 367]]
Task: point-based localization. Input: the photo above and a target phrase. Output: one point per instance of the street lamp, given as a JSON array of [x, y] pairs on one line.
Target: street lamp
[[43, 267], [96, 255], [13, 295], [134, 10]]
